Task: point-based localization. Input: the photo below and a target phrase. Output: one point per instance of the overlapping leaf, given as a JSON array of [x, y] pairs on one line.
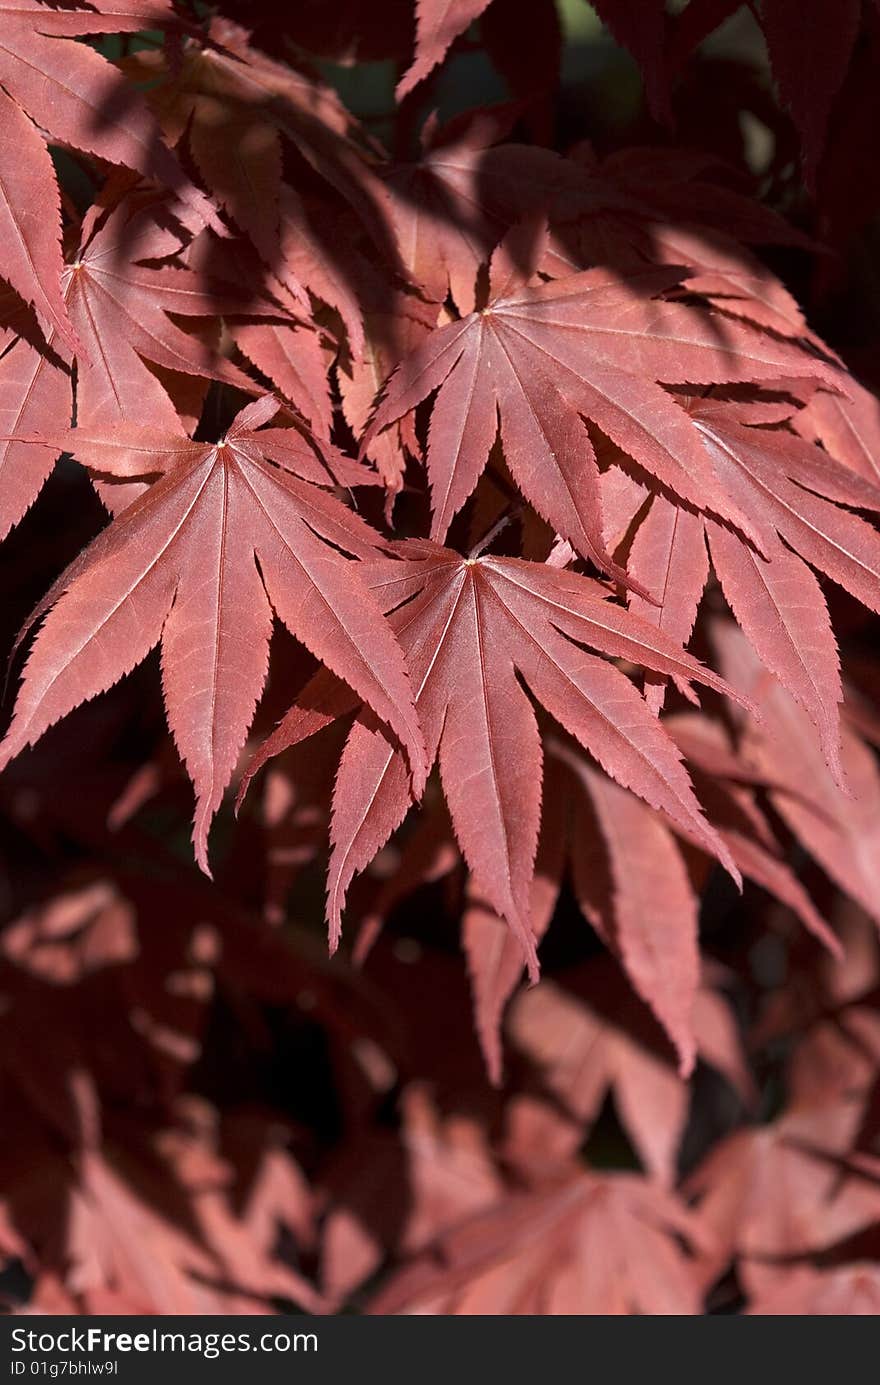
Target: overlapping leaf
[[796, 498], [36, 393], [607, 1245], [471, 629], [592, 345], [72, 93], [200, 562], [119, 299]]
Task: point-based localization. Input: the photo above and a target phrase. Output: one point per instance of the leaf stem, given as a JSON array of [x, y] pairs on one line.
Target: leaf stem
[[512, 512]]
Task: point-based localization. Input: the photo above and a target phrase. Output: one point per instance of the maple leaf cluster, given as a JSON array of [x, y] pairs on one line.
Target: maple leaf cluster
[[498, 484]]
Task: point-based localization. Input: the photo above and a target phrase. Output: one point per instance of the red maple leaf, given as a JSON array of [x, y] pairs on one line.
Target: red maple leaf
[[180, 565]]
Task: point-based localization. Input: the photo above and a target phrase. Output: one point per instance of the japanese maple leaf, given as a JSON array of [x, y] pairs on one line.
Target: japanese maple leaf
[[120, 308], [841, 830], [639, 898], [809, 68], [36, 394], [631, 885], [847, 426], [631, 882], [676, 188], [291, 357], [235, 147], [661, 207], [70, 92], [805, 1292], [589, 1036], [438, 24], [395, 323], [494, 958], [718, 268], [838, 1053], [311, 236], [471, 628], [236, 105], [449, 210], [731, 279], [450, 1173], [798, 493], [768, 1193], [640, 27], [794, 496], [30, 240], [594, 345], [726, 785], [278, 337], [130, 1251], [584, 1243], [199, 562]]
